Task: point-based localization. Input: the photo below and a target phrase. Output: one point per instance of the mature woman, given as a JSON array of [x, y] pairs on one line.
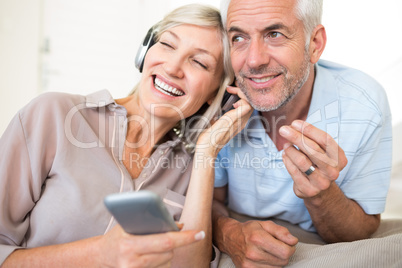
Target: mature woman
[[62, 154]]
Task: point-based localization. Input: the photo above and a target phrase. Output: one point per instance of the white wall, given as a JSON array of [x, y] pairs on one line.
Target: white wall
[[366, 34], [19, 57], [92, 44], [77, 46]]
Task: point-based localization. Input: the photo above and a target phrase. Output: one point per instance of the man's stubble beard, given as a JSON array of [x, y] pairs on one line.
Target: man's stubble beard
[[292, 85]]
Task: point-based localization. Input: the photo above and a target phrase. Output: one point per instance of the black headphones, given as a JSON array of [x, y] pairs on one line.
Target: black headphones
[[148, 42]]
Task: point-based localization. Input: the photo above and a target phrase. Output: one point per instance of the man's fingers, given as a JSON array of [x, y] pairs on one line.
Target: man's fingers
[[255, 244], [303, 186], [279, 245], [301, 162], [279, 232], [320, 137], [317, 148], [309, 147]]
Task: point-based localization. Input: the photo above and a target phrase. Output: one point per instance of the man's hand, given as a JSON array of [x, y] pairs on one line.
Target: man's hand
[[257, 243], [336, 217], [316, 149]]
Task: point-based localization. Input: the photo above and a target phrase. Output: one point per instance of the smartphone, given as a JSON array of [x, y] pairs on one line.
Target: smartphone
[[140, 213], [227, 101]]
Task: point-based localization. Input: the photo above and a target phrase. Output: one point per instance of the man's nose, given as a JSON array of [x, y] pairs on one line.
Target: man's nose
[[258, 55]]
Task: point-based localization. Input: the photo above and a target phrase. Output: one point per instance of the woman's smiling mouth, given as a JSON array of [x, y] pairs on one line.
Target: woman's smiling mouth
[[166, 89]]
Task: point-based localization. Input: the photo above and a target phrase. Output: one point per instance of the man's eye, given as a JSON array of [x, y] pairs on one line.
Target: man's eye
[[274, 35], [237, 39]]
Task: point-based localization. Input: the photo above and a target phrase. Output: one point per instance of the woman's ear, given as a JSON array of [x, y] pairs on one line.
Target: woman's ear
[[211, 100], [317, 43]]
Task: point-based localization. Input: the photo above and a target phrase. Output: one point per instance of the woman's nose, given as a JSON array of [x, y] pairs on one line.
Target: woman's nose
[[174, 66]]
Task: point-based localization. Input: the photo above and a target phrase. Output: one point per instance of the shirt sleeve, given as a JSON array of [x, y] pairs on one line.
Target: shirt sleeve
[[23, 170], [368, 176], [15, 196]]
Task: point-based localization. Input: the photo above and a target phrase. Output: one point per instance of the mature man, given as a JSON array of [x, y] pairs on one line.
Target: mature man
[[317, 150]]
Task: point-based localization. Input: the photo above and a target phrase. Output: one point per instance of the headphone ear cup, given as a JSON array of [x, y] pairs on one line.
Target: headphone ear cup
[[148, 42]]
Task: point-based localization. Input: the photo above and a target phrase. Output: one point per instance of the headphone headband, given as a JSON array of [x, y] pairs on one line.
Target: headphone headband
[[148, 42]]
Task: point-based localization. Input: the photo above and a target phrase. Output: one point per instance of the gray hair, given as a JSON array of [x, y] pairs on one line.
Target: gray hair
[[308, 11], [204, 16]]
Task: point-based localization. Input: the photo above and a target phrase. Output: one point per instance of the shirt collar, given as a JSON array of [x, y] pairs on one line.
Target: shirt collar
[[99, 99], [254, 127], [325, 99], [324, 111], [103, 98]]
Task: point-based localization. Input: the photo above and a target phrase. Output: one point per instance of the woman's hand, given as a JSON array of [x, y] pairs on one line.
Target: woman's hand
[[120, 249], [226, 127], [114, 249]]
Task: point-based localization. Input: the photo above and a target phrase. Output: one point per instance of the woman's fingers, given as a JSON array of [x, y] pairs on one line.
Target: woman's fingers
[[160, 243], [227, 126], [155, 250]]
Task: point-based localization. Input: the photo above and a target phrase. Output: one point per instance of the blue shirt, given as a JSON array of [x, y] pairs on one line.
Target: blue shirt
[[347, 104]]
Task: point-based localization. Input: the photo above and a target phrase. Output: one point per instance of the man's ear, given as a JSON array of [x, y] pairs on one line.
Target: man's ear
[[317, 43]]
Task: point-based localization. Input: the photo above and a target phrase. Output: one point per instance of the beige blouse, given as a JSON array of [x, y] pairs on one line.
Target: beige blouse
[[60, 156]]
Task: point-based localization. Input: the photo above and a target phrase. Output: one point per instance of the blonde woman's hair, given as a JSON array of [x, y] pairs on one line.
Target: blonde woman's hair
[[204, 16]]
